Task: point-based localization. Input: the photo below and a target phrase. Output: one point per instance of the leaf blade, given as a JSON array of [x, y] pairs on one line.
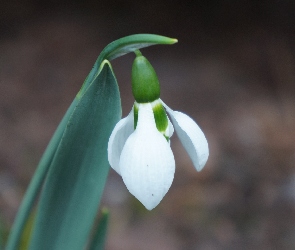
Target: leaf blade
[[99, 238], [75, 181], [133, 42]]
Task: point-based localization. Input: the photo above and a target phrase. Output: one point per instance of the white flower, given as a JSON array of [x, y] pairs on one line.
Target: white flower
[[142, 155]]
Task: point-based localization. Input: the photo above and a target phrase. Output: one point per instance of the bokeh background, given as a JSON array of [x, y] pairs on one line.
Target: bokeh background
[[233, 71]]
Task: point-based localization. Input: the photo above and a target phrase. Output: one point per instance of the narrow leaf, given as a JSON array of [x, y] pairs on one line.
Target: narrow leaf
[[3, 234], [131, 43], [27, 232], [75, 181], [100, 234]]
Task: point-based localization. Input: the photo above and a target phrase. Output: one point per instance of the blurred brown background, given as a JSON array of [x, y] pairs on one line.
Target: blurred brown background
[[232, 71]]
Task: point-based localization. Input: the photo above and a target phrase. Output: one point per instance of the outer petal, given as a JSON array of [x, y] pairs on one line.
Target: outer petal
[[191, 137], [147, 163], [121, 132]]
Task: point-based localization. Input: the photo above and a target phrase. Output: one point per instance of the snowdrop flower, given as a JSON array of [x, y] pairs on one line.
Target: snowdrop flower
[[139, 146]]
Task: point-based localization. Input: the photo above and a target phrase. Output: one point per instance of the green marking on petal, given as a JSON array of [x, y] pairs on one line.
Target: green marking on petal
[[160, 116], [135, 111]]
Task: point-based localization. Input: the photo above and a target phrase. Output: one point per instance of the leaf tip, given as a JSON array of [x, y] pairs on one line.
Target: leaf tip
[[174, 40], [105, 62], [105, 211]]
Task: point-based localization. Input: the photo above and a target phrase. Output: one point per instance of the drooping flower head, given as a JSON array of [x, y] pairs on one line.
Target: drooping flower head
[[139, 146]]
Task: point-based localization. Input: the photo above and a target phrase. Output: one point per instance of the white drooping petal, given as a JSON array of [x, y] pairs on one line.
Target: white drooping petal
[[191, 137], [121, 132], [147, 163]]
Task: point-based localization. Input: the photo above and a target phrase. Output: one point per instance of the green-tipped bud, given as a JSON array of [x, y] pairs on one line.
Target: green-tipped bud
[[145, 83]]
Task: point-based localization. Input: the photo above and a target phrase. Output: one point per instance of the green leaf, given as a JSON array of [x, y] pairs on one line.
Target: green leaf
[[3, 234], [27, 232], [134, 42], [99, 238], [76, 179]]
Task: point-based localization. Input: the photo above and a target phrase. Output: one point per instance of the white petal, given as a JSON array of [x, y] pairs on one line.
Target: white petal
[[121, 132], [147, 163], [191, 137]]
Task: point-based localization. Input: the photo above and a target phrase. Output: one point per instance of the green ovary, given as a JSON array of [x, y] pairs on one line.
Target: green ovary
[[145, 83]]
